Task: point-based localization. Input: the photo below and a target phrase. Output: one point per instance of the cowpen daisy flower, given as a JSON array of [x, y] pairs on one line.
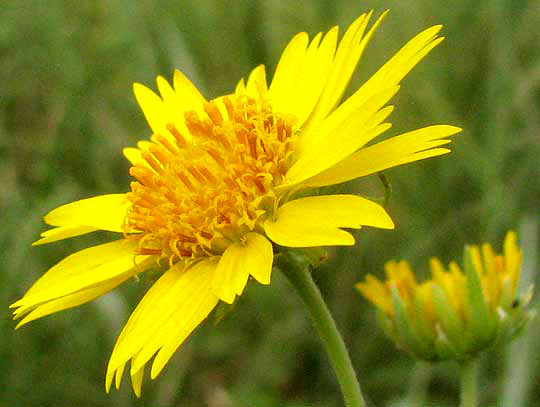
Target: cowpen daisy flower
[[458, 312], [215, 188]]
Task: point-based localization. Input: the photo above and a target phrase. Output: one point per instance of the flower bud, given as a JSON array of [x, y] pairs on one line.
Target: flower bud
[[458, 312]]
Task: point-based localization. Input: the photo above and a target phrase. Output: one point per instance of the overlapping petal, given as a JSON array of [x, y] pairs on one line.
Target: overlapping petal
[[349, 51], [90, 268], [256, 86], [135, 154], [321, 138], [337, 143], [252, 256], [63, 232], [301, 74], [408, 147], [173, 307], [73, 300], [161, 112]]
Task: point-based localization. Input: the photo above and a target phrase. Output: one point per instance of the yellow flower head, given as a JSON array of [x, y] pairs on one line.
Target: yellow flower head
[[215, 188], [455, 314]]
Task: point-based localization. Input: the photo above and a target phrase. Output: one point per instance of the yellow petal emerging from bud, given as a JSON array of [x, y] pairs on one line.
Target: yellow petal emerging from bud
[[457, 313]]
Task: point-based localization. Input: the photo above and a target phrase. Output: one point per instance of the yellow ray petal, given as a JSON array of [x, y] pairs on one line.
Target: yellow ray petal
[[301, 74], [85, 269], [376, 292], [221, 106], [183, 98], [170, 107], [513, 257], [136, 381], [63, 232], [106, 212], [154, 108], [408, 147], [392, 72], [173, 307], [388, 76], [144, 145], [349, 51], [188, 92], [287, 71], [253, 256], [72, 300], [337, 138], [118, 378], [134, 155], [181, 329], [260, 266], [174, 112], [492, 280], [187, 316], [83, 260], [240, 87], [315, 220], [305, 236], [312, 76], [256, 85], [165, 90], [136, 332]]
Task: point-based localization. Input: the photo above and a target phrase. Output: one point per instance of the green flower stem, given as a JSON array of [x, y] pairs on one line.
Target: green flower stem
[[469, 383], [418, 384], [296, 269]]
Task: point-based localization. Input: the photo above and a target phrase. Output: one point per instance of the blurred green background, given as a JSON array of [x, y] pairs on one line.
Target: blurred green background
[[67, 109]]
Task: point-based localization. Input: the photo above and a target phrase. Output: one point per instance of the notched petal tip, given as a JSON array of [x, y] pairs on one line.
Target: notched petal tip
[[254, 256], [318, 220], [136, 381], [17, 304]]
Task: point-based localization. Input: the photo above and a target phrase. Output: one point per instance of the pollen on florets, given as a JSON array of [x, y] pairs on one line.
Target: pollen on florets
[[198, 192]]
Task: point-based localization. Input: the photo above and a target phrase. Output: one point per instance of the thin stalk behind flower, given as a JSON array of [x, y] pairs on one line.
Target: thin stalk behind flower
[[468, 372], [297, 271]]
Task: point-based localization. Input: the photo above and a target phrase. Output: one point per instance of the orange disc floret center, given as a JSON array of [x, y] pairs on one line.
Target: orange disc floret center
[[196, 195]]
